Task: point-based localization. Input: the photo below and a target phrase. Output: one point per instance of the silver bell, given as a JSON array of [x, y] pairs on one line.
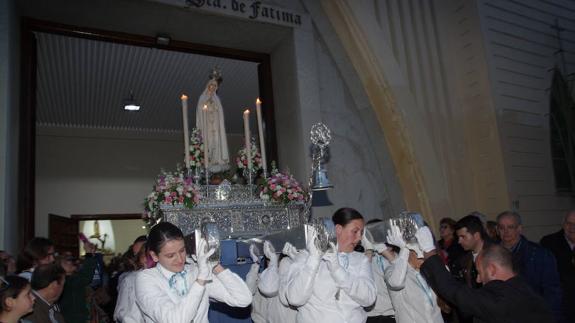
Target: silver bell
[[320, 181]]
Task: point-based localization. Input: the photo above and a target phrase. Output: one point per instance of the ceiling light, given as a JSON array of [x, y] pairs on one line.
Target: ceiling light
[[131, 104]]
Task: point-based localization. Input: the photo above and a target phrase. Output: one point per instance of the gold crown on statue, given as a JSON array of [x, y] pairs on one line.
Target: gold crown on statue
[[216, 74]]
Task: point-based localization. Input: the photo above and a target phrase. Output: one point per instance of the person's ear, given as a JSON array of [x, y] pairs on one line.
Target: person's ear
[[520, 228], [9, 302], [492, 271], [338, 229], [154, 256]]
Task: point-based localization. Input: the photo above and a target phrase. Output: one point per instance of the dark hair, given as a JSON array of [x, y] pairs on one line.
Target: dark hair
[[473, 225], [14, 287], [495, 253], [449, 221], [142, 238], [36, 249], [44, 275], [160, 234], [512, 214], [345, 215]]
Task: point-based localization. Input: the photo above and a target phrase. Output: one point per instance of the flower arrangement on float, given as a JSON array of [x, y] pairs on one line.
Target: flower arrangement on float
[[170, 189], [283, 188], [242, 158], [196, 149]]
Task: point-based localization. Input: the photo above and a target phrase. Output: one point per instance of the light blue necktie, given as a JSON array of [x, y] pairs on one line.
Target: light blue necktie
[[426, 289], [179, 284], [343, 260]]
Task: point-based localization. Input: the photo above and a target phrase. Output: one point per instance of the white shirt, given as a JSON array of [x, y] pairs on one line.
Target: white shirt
[[383, 306], [159, 303], [126, 310], [320, 299], [413, 300]]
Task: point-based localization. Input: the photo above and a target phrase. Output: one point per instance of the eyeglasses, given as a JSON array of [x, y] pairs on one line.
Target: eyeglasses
[[444, 226]]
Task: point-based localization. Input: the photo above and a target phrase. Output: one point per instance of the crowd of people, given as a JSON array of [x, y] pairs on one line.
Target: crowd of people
[[478, 271]]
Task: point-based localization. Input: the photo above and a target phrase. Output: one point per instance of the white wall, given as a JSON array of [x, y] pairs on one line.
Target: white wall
[[520, 46], [88, 171]]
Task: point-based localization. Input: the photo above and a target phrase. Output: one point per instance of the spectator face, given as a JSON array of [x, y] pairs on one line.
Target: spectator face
[[509, 230], [137, 246], [569, 227], [69, 266], [468, 240], [49, 258], [23, 303], [445, 231], [349, 235], [172, 255]]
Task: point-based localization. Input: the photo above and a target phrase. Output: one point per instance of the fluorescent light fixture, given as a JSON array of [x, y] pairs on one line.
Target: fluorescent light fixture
[[131, 104], [131, 107]]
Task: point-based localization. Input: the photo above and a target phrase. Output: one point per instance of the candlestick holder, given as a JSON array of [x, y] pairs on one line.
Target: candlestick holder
[[207, 171], [197, 175], [249, 176]]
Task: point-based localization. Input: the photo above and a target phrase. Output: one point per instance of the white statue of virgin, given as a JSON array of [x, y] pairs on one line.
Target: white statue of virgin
[[212, 126]]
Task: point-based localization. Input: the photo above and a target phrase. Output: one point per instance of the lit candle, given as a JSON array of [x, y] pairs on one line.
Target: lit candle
[[261, 133], [186, 132], [247, 135], [205, 136]]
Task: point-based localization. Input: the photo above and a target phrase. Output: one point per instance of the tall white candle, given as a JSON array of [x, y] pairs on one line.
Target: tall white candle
[[205, 136], [247, 138], [186, 132], [261, 133]]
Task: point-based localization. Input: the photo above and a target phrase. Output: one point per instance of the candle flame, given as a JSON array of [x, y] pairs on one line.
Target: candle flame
[[258, 101], [205, 107], [184, 97], [247, 111]]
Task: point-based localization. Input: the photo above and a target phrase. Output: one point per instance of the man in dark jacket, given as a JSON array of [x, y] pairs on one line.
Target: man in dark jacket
[[562, 245], [536, 264], [48, 284], [504, 297]]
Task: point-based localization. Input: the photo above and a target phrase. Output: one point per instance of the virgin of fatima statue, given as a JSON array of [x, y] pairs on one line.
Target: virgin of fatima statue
[[210, 121]]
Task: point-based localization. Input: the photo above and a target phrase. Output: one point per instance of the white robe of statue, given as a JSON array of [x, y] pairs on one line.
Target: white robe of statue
[[212, 127]]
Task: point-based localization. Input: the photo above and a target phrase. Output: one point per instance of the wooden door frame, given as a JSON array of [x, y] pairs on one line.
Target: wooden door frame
[[27, 139]]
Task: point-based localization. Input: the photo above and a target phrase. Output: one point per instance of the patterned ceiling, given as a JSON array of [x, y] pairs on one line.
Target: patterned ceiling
[[83, 83]]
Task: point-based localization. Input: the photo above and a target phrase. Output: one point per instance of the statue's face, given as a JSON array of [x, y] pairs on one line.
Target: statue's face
[[212, 86]]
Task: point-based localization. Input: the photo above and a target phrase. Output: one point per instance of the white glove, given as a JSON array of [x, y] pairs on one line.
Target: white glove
[[311, 246], [255, 258], [395, 237], [270, 253], [425, 239], [337, 272], [289, 250], [204, 268]]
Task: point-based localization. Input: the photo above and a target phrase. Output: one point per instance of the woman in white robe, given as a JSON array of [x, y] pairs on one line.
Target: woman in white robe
[[336, 286], [211, 123], [177, 292], [412, 298]]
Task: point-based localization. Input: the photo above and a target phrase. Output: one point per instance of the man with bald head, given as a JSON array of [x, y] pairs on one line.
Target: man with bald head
[[562, 245], [504, 296]]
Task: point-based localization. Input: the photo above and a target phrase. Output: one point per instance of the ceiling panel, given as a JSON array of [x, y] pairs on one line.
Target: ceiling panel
[[83, 83]]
